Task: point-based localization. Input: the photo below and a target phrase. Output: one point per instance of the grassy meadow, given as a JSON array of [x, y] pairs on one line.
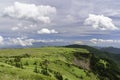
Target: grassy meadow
[[47, 63]]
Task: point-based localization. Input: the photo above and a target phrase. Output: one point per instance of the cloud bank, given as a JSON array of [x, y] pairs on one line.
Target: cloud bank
[[97, 41], [25, 41], [100, 22], [20, 41], [30, 12]]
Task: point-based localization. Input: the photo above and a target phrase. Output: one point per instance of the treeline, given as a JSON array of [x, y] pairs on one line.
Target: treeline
[[108, 70]]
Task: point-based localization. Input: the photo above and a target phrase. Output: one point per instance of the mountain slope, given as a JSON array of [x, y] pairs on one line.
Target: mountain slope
[[99, 52], [55, 63]]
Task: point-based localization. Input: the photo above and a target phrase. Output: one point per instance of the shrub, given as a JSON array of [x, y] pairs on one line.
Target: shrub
[[58, 76], [66, 78], [36, 69], [44, 71], [26, 63], [17, 59], [35, 63]]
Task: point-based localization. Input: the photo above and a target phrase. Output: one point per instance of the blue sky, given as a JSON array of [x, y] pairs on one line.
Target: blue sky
[[91, 22]]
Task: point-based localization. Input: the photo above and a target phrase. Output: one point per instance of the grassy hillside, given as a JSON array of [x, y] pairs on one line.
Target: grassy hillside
[[53, 63]]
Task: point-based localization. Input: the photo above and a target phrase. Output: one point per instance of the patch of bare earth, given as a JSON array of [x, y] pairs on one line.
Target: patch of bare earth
[[83, 63]]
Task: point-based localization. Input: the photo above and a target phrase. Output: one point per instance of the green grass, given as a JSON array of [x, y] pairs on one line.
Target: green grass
[[55, 59], [103, 62], [10, 73]]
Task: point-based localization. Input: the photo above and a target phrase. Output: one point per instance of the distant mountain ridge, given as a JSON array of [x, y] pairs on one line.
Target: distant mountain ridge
[[111, 50]]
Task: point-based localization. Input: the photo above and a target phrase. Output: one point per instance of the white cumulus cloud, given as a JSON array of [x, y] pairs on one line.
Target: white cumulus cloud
[[14, 28], [1, 40], [100, 22], [47, 31], [37, 13]]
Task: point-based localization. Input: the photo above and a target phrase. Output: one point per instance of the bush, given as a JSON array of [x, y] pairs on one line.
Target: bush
[[58, 76], [17, 59], [25, 55], [36, 69], [44, 71], [35, 63], [66, 78], [26, 63]]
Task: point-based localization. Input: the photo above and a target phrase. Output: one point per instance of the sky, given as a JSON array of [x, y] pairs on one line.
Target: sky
[[86, 22]]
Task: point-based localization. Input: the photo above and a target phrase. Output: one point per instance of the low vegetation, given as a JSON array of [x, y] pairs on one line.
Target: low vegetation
[[55, 63]]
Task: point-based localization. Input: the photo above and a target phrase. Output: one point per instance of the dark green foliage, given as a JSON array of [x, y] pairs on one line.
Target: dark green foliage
[[25, 55], [81, 77], [35, 63], [17, 59], [18, 63], [21, 65], [58, 76], [80, 55], [91, 49], [26, 63], [40, 64], [66, 79], [105, 72], [45, 63], [69, 65], [36, 69], [45, 71], [10, 61]]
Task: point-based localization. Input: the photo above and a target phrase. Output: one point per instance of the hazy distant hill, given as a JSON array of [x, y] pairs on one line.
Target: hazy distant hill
[[111, 50]]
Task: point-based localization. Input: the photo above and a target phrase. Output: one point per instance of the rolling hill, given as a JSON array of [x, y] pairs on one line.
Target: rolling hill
[[56, 63]]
